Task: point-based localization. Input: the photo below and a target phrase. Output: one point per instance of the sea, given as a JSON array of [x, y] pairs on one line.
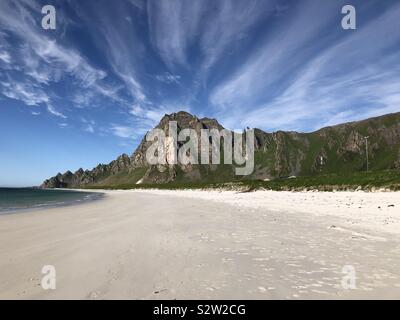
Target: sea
[[19, 199]]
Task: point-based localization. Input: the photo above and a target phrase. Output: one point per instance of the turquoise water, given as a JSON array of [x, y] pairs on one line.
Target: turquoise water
[[15, 199]]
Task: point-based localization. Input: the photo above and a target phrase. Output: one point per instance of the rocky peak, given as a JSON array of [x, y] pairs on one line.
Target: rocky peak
[[279, 154], [79, 172], [186, 120]]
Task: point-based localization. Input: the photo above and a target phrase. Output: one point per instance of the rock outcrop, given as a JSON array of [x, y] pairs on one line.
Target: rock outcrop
[[338, 148]]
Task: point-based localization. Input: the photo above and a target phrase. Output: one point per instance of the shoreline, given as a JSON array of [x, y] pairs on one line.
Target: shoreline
[[96, 195], [372, 210]]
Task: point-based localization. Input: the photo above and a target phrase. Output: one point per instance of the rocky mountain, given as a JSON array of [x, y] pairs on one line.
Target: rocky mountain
[[340, 148]]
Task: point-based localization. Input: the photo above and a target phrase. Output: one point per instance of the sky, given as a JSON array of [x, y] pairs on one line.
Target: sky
[[89, 90]]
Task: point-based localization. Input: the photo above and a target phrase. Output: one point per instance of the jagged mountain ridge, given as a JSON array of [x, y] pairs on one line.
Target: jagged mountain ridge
[[279, 154]]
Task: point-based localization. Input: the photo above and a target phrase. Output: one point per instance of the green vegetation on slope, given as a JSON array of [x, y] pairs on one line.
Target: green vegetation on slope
[[325, 182]]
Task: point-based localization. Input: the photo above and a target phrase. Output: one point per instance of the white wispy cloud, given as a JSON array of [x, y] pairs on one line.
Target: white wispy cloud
[[140, 4], [181, 37], [168, 78], [177, 25], [89, 128], [119, 42], [42, 59], [173, 25], [25, 92], [5, 57], [83, 98], [88, 124], [28, 93], [136, 110], [280, 53], [150, 115], [342, 82], [123, 131], [54, 112], [246, 62], [228, 25], [143, 118]]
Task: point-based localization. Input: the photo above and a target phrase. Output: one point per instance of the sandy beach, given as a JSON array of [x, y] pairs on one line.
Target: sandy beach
[[206, 245]]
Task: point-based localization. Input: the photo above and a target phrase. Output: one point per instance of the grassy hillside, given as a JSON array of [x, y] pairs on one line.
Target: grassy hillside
[[368, 181]]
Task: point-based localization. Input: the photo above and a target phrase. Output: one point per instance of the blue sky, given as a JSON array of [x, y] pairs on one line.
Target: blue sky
[[89, 90]]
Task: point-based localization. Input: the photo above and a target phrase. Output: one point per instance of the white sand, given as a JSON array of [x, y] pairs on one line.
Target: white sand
[[379, 211], [181, 245]]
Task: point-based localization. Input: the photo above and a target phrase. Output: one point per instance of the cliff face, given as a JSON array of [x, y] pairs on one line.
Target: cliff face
[[338, 148]]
